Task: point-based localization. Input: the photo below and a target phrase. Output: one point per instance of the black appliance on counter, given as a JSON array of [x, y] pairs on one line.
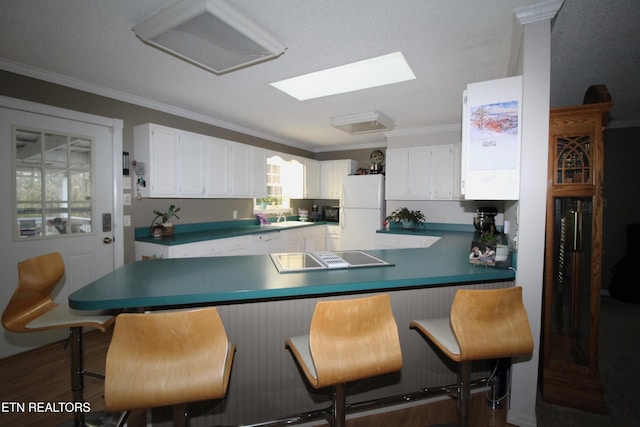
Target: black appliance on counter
[[485, 222], [331, 213]]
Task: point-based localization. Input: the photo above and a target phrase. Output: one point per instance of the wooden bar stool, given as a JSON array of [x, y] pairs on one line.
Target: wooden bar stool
[[167, 358], [31, 309], [348, 340], [484, 324]]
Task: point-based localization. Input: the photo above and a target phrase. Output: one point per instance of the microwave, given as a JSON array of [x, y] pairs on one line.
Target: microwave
[[331, 213]]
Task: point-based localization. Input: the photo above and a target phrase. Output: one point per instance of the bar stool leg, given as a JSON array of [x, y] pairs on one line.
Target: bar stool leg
[[339, 406], [464, 393], [77, 370], [181, 415]]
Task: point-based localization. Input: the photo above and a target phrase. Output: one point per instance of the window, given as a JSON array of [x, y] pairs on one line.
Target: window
[[53, 187], [284, 182]]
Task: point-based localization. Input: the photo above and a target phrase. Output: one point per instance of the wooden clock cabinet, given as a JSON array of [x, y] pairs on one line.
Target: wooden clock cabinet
[[573, 257]]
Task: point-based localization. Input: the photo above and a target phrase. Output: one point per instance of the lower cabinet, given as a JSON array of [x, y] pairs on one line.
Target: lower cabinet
[[267, 243], [334, 237], [306, 239], [397, 241]]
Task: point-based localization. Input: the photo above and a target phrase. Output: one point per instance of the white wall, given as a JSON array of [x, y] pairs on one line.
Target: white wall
[[531, 209]]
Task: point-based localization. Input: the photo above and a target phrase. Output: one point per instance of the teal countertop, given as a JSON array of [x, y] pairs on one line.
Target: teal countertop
[[237, 279], [191, 233]]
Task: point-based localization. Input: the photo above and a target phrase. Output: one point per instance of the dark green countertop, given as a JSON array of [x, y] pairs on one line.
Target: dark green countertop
[[191, 233], [237, 279]]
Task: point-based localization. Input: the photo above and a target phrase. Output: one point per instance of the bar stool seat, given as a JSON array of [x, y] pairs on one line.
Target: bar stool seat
[[483, 324], [32, 309], [348, 340], [167, 358]]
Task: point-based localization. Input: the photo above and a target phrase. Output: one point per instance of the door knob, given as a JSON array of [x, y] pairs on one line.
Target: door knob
[[107, 240]]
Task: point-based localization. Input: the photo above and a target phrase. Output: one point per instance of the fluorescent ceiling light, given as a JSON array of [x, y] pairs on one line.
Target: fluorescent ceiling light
[[210, 34], [356, 124], [379, 71]]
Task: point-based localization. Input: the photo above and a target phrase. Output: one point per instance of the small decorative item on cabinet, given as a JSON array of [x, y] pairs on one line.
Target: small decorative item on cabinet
[[406, 218], [161, 226]]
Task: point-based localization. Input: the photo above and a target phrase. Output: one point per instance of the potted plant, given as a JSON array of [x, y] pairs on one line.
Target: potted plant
[[161, 225], [406, 218]]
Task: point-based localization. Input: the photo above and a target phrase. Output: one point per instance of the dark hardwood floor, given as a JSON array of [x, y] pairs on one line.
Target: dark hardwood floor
[[42, 375]]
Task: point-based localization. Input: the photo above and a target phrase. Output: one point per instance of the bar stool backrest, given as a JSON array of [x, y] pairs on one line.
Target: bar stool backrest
[[167, 358], [491, 324], [37, 277], [354, 339]]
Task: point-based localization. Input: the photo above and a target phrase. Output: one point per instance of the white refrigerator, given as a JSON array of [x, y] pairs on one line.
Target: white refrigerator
[[362, 211]]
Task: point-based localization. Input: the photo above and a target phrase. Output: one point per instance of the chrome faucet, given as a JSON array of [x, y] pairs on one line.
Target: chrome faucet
[[281, 217]]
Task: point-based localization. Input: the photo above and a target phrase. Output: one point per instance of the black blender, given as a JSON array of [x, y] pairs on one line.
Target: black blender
[[485, 221]]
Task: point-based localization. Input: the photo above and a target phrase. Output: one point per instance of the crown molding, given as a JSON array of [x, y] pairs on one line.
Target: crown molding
[[540, 11], [48, 76]]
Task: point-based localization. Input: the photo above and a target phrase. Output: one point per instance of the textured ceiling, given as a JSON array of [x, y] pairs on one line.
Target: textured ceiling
[[598, 42], [90, 45]]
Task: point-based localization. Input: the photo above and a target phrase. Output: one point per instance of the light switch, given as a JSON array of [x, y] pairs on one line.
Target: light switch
[[126, 199]]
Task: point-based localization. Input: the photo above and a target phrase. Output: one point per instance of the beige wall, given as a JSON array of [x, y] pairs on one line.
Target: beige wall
[[141, 211]]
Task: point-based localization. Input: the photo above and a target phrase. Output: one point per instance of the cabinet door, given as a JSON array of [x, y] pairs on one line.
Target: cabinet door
[[311, 179], [259, 173], [397, 162], [441, 167], [266, 243], [327, 180], [241, 162], [217, 157], [191, 165], [418, 173], [164, 153]]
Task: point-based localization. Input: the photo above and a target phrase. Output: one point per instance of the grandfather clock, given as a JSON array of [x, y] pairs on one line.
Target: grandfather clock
[[573, 257]]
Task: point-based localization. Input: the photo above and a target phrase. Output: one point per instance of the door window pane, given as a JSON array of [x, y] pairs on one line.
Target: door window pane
[[53, 188]]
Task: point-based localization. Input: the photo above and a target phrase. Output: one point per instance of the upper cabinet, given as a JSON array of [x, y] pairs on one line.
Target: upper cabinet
[[331, 174], [491, 137], [311, 179], [175, 163], [422, 173]]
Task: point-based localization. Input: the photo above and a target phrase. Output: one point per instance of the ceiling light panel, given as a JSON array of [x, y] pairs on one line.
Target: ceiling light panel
[[210, 34], [374, 72], [357, 124]]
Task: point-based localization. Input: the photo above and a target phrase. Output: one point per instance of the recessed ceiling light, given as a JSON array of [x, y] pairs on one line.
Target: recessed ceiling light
[[378, 71], [210, 34], [356, 124]]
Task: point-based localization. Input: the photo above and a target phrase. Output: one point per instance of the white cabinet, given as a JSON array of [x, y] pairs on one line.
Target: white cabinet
[[398, 241], [241, 245], [217, 154], [191, 165], [311, 179], [421, 173], [175, 163], [305, 239], [334, 236], [266, 243], [491, 139], [156, 151], [331, 174]]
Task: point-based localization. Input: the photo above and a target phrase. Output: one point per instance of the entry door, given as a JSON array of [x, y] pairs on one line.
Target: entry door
[[67, 163]]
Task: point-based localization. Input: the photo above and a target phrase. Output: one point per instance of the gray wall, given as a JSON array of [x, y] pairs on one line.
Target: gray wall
[[141, 211], [622, 193]]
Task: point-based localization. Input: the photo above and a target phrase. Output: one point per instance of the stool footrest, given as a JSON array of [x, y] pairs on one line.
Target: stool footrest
[[351, 408]]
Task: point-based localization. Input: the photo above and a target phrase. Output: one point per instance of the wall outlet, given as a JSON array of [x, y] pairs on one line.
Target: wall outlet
[[126, 199], [235, 214], [127, 220]]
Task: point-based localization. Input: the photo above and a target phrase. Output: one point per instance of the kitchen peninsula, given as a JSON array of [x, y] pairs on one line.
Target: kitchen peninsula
[[262, 308]]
